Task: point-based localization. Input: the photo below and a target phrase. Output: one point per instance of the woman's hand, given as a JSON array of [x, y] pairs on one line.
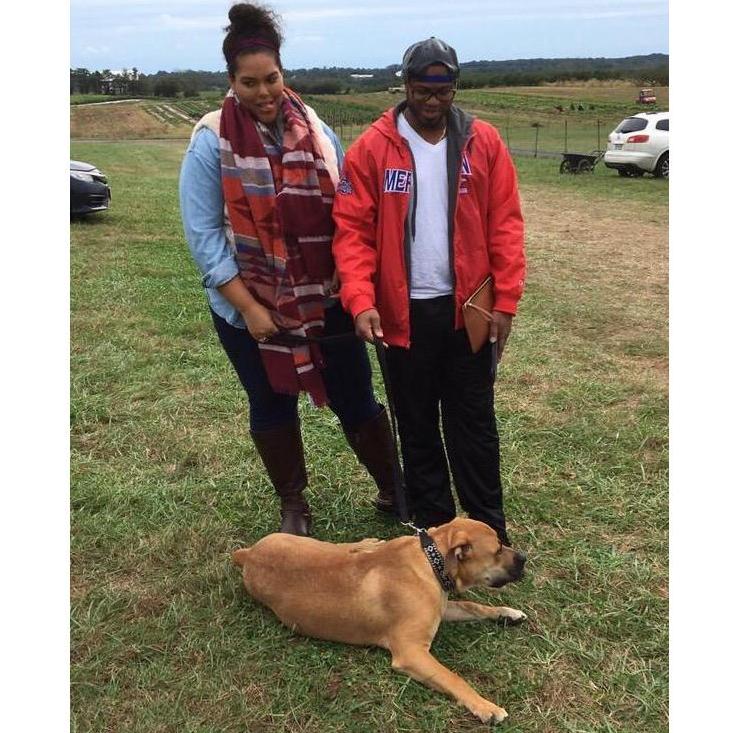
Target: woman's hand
[[335, 285], [259, 322]]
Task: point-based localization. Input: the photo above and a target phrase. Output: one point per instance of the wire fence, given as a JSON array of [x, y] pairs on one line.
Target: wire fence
[[542, 137], [536, 139]]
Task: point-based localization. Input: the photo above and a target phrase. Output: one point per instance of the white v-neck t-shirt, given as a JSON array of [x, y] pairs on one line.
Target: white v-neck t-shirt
[[430, 272]]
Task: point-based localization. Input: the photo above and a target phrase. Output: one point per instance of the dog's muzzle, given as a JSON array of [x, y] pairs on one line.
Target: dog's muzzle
[[511, 574], [519, 559]]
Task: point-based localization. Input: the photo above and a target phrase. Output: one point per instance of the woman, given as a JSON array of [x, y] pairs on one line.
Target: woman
[[256, 191]]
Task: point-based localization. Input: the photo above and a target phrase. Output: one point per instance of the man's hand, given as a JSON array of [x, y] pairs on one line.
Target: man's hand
[[501, 326], [368, 326], [259, 322]]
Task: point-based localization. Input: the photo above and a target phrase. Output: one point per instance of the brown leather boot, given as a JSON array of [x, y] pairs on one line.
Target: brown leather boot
[[372, 444], [281, 450]]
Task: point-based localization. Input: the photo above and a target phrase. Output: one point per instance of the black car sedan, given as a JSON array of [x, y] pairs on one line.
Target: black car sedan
[[89, 189]]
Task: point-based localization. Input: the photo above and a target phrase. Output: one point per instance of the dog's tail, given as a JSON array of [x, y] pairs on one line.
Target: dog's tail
[[239, 555]]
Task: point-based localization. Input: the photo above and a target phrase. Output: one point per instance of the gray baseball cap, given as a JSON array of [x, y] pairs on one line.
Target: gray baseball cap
[[431, 51]]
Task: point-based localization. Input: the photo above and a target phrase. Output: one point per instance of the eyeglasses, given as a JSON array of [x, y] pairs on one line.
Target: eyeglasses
[[423, 94]]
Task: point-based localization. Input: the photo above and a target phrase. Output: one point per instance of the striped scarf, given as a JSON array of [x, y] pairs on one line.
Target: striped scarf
[[279, 205]]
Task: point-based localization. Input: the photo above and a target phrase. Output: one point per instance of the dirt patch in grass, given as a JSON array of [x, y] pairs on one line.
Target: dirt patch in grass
[[121, 122], [561, 693], [605, 266], [605, 245]]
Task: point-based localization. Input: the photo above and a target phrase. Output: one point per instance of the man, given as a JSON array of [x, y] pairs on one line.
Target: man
[[426, 209]]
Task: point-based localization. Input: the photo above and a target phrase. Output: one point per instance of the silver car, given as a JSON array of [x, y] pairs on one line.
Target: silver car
[[89, 189]]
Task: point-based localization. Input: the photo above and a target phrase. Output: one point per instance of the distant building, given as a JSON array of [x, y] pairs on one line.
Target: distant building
[[114, 86], [361, 76]]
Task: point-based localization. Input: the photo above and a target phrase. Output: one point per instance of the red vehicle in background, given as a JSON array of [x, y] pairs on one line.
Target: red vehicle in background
[[646, 96]]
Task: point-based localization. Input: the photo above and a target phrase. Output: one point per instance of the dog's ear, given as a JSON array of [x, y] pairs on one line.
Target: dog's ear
[[463, 551], [459, 545], [459, 548]]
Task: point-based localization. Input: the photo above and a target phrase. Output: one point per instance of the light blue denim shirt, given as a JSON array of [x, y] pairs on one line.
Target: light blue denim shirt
[[202, 211]]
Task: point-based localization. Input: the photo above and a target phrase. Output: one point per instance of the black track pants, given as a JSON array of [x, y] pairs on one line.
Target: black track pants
[[439, 380]]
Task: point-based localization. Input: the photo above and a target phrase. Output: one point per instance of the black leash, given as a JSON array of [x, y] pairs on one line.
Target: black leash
[[288, 339], [282, 338], [429, 548], [399, 477]]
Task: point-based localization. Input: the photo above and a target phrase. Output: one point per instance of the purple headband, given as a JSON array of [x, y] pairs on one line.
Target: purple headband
[[439, 78], [250, 42]]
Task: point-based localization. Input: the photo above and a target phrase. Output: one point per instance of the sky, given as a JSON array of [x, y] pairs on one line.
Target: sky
[[165, 35]]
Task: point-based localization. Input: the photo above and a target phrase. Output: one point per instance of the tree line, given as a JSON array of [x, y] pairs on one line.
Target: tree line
[[130, 82], [652, 69]]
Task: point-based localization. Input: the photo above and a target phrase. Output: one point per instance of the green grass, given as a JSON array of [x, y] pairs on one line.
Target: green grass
[[524, 119], [342, 109], [527, 120], [165, 482], [602, 186], [546, 102]]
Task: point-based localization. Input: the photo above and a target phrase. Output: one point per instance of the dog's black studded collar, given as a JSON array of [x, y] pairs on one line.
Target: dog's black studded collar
[[436, 560]]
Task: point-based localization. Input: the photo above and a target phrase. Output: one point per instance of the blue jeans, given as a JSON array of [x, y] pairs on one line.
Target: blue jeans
[[347, 376]]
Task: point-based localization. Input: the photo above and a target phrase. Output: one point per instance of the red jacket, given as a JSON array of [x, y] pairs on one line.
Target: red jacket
[[373, 227]]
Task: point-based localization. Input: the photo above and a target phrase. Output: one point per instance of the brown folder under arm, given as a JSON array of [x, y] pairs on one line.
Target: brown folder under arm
[[477, 314]]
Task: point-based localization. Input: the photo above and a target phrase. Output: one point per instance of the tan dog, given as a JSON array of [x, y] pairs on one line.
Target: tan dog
[[385, 594]]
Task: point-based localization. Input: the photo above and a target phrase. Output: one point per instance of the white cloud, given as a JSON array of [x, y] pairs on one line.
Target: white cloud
[[166, 22], [178, 23], [528, 10], [306, 39], [133, 16], [151, 31], [154, 5]]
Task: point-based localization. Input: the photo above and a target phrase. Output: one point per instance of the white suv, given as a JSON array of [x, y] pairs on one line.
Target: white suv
[[640, 144]]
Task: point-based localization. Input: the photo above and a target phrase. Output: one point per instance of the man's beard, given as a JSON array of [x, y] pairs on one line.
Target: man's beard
[[429, 123], [436, 123]]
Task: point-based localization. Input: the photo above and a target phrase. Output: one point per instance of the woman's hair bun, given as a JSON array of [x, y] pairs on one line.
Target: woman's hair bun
[[254, 20]]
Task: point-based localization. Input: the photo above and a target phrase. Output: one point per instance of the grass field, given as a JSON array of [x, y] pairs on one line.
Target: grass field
[[527, 117], [165, 482]]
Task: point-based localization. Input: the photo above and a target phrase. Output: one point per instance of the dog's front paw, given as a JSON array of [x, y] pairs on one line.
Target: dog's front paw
[[511, 616], [489, 713]]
